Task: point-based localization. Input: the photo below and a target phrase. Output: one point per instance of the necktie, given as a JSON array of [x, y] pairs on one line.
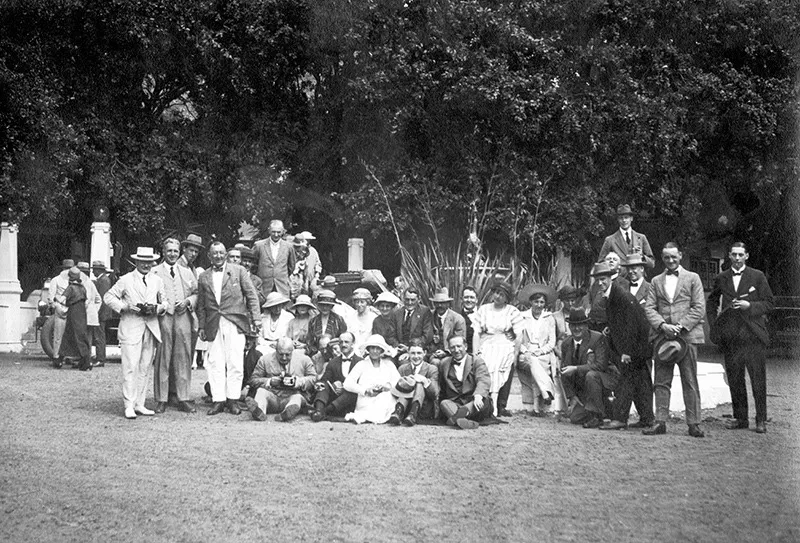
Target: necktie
[[672, 272], [577, 346], [628, 238], [144, 279], [172, 271]]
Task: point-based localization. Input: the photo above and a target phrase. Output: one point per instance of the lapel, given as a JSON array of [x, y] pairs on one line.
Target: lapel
[[225, 277], [467, 369], [139, 285], [744, 282]]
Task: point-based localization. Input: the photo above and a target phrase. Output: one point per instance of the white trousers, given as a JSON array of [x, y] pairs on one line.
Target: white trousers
[[225, 364], [137, 359]]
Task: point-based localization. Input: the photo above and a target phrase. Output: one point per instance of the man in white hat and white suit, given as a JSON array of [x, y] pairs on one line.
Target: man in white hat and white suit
[[139, 298]]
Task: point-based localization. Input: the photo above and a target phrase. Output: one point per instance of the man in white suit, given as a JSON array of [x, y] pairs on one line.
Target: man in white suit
[[175, 352], [139, 298]]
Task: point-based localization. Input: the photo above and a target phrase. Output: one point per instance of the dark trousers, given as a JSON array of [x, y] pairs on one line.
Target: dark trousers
[[448, 408], [337, 406], [97, 336], [590, 391], [427, 408], [691, 390], [747, 353], [635, 386], [505, 390]]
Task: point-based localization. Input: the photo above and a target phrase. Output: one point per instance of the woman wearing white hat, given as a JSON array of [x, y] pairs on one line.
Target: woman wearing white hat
[[297, 330], [274, 322], [360, 324], [372, 379]]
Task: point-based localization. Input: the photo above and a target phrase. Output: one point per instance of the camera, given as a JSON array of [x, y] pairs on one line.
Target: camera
[[288, 381], [147, 309]]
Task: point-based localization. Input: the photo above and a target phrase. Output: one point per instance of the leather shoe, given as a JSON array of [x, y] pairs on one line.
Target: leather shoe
[[460, 413], [613, 425], [657, 429], [216, 408], [593, 422], [233, 407], [130, 413], [761, 427], [503, 413], [161, 407], [410, 420], [318, 416], [466, 424], [737, 424], [142, 410], [186, 407], [641, 424], [255, 411], [289, 412], [695, 431]]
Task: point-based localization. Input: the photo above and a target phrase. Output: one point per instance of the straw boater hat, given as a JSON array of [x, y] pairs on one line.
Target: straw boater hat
[[387, 298], [577, 315], [83, 265], [534, 289], [670, 350], [441, 296], [193, 239], [303, 300], [329, 281], [404, 387], [327, 297], [362, 294], [67, 263], [98, 265], [624, 209], [145, 254], [635, 259], [601, 268], [376, 340], [275, 298]]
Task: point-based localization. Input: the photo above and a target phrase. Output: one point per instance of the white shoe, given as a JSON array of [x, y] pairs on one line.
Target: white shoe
[[142, 410], [130, 413]]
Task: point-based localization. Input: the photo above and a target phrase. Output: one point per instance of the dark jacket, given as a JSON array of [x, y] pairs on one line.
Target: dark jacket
[[476, 380], [627, 323], [754, 288]]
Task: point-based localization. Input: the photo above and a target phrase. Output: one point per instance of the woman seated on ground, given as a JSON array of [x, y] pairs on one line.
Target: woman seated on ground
[[538, 365], [372, 379], [274, 322], [297, 329]]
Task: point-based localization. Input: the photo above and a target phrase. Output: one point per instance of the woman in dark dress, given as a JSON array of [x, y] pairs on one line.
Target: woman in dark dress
[[75, 344]]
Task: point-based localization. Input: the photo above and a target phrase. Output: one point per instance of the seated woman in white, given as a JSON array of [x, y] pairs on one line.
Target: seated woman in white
[[274, 322], [372, 379]]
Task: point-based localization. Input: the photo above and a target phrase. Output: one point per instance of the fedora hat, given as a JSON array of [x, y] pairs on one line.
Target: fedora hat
[[624, 209], [362, 294], [404, 387], [67, 263], [194, 240], [326, 296], [303, 300], [670, 350], [329, 281], [98, 265], [577, 315], [533, 289], [145, 254], [275, 298], [634, 260], [376, 340], [601, 268], [441, 296], [387, 298]]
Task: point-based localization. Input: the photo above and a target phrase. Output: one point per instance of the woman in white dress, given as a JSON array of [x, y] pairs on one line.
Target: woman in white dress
[[372, 379], [274, 322], [498, 330], [538, 364], [360, 324]]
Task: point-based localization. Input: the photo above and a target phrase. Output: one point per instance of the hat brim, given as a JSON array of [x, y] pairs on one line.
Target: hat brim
[[327, 302], [435, 300], [192, 243], [680, 354], [580, 321], [537, 288], [145, 258], [303, 304], [397, 394]]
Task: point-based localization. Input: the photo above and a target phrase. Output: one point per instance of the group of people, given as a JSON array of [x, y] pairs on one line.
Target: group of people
[[277, 340]]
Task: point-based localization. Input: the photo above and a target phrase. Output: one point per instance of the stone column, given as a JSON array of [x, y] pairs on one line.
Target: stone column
[[355, 254], [101, 243], [10, 291]]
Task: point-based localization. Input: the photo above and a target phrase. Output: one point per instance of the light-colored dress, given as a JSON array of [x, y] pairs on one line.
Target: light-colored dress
[[297, 329], [272, 331], [361, 327], [364, 375], [492, 329], [538, 334]]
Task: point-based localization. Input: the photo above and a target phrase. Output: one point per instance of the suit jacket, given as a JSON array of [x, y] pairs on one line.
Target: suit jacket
[[274, 272], [754, 288], [592, 355], [597, 302], [428, 370], [334, 370], [258, 283], [453, 325], [238, 301], [184, 283], [102, 284], [300, 366], [468, 324], [641, 294], [687, 308], [129, 291], [421, 326], [476, 380], [627, 324], [616, 243]]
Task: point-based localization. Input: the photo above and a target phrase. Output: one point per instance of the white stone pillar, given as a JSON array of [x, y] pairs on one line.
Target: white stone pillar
[[101, 243], [355, 254], [10, 291]]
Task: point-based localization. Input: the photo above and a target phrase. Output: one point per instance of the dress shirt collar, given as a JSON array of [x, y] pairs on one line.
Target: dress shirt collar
[[738, 272]]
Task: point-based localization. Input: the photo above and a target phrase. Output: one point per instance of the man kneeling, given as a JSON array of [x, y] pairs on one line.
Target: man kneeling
[[419, 385], [282, 380], [464, 387]]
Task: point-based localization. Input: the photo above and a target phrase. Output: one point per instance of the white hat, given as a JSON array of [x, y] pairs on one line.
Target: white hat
[[145, 254], [387, 297], [376, 340]]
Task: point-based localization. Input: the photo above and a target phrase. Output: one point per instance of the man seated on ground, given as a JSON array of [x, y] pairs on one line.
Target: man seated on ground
[[283, 382], [464, 387], [331, 398], [585, 372], [419, 386]]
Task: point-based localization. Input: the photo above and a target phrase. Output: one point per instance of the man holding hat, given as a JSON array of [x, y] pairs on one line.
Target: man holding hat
[[139, 298], [446, 322], [740, 330], [626, 241], [586, 373], [675, 308], [326, 322], [419, 386]]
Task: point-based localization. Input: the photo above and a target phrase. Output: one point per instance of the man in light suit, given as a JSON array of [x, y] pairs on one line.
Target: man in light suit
[[58, 284], [675, 308], [741, 332], [446, 322], [139, 298], [413, 320], [464, 384], [627, 241], [227, 312], [275, 260], [175, 352], [418, 386]]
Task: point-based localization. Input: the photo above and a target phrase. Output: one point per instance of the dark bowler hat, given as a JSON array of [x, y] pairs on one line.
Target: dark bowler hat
[[577, 315], [670, 350], [635, 259], [193, 239], [624, 209]]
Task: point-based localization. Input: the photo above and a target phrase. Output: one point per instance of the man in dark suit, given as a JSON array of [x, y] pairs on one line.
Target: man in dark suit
[[446, 322], [675, 308], [103, 281], [411, 321], [464, 383], [275, 260], [598, 321], [419, 386], [626, 241], [331, 398], [629, 350], [469, 301], [586, 373], [741, 333], [638, 286], [227, 312]]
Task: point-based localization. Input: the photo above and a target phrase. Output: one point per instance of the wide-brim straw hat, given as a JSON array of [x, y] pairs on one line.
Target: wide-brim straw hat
[[275, 298], [533, 289], [303, 300], [376, 340], [387, 297], [145, 254], [442, 296]]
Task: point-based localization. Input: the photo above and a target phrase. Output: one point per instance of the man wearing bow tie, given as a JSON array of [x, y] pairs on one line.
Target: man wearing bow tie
[[175, 352], [464, 383], [227, 312], [675, 308], [741, 332], [331, 398], [626, 240]]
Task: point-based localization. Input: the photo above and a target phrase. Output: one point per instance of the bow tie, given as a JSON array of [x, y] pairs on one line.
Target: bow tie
[[218, 269], [672, 272], [634, 284], [738, 273], [458, 362]]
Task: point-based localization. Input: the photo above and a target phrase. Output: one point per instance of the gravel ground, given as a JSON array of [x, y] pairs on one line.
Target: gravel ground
[[73, 469]]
